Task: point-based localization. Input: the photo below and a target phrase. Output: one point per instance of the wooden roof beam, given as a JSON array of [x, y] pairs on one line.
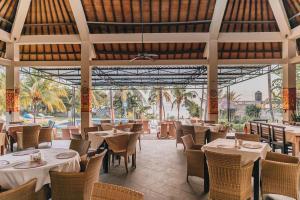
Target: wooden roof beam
[[295, 34], [251, 37], [118, 38], [281, 17], [149, 38], [126, 63], [20, 18], [215, 26], [295, 60], [81, 22], [45, 64], [5, 36], [49, 39], [5, 62]]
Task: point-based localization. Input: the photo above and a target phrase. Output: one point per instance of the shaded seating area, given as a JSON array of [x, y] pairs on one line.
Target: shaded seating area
[[150, 82]]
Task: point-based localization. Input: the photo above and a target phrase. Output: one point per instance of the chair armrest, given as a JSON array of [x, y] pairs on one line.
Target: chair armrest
[[197, 146]]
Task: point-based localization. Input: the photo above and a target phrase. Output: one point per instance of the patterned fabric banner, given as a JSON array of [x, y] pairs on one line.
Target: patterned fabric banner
[[213, 102], [289, 98], [12, 100], [86, 99]]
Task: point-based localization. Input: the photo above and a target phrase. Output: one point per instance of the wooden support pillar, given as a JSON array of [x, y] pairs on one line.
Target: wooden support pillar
[[86, 85], [212, 84], [12, 84], [289, 80]]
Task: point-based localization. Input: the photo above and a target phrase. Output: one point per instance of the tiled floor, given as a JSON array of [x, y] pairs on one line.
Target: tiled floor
[[160, 173]]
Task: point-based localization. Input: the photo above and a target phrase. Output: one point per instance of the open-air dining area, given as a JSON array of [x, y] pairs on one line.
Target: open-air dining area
[[149, 99]]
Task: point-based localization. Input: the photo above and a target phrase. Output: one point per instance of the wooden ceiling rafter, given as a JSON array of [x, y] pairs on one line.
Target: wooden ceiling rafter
[[250, 16]]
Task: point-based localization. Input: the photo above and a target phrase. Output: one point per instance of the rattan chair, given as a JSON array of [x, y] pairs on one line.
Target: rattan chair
[[2, 143], [105, 121], [172, 130], [281, 158], [76, 137], [254, 128], [216, 135], [46, 135], [247, 137], [124, 146], [146, 127], [279, 139], [163, 130], [74, 129], [23, 192], [179, 133], [209, 122], [124, 127], [188, 142], [29, 137], [228, 178], [265, 133], [104, 191], [66, 133], [76, 186], [280, 175], [138, 128], [195, 163], [188, 129], [106, 127], [201, 134], [89, 129], [81, 146]]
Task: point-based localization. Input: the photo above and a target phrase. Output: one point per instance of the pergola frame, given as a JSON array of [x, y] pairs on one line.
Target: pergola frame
[[286, 36]]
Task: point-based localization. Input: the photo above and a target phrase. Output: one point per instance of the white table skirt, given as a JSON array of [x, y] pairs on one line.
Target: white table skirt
[[247, 154], [11, 177]]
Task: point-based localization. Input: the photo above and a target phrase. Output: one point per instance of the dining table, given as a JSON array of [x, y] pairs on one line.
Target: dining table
[[292, 134], [247, 152], [98, 140], [18, 168]]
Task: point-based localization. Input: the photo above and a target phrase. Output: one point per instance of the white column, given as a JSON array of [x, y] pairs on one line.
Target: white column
[[289, 80], [12, 84], [212, 78], [86, 85]]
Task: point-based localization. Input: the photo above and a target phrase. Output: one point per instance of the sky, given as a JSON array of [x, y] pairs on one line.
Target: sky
[[248, 88]]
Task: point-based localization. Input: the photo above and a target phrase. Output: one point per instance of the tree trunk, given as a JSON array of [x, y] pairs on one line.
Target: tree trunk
[[201, 104], [164, 111], [270, 95], [160, 105], [178, 110], [205, 113], [34, 112]]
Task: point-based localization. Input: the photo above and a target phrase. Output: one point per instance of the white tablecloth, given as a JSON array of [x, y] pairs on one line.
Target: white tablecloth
[[98, 137], [247, 154], [11, 177]]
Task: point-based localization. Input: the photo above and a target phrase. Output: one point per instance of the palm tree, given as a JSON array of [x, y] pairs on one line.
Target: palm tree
[[181, 96], [201, 110], [157, 95], [135, 98], [233, 96], [99, 98], [270, 93], [38, 92]]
